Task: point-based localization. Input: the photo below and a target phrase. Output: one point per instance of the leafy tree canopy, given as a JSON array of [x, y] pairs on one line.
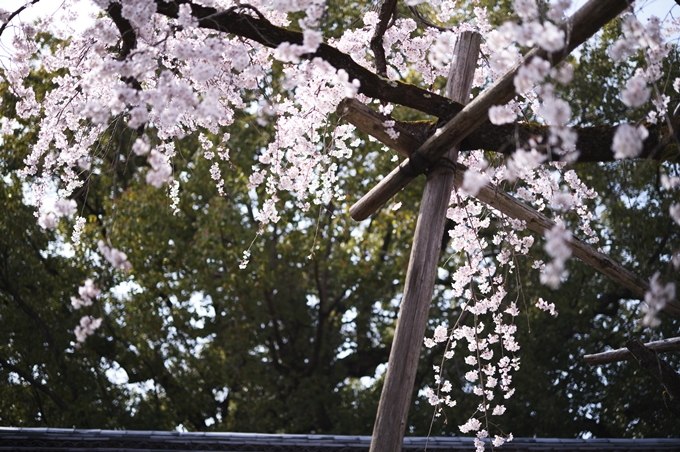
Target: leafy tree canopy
[[293, 335]]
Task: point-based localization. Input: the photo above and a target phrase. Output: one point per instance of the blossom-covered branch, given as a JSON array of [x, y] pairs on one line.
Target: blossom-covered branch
[[594, 143], [241, 22], [38, 385], [9, 16], [127, 33]]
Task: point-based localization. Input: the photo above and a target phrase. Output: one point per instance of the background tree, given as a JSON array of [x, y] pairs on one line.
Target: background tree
[[190, 339]]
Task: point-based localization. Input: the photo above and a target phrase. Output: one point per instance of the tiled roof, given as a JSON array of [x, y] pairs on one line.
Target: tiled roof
[[56, 439]]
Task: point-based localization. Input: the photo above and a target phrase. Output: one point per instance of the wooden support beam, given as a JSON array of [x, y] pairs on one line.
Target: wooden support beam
[[663, 371], [371, 122], [536, 222], [593, 144], [390, 423], [623, 354], [578, 28]]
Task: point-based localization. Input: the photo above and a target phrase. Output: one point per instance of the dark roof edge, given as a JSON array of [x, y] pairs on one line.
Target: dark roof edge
[[73, 439]]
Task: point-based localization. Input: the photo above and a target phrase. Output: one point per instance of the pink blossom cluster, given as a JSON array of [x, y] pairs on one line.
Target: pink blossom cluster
[[648, 39], [87, 292], [628, 141], [557, 246], [539, 187], [480, 284], [88, 325], [656, 298], [114, 256], [62, 208], [545, 306]]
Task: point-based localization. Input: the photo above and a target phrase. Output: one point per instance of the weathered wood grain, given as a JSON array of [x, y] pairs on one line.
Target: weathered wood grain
[[623, 354], [390, 423]]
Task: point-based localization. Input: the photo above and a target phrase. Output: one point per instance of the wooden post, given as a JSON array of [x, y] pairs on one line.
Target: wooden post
[[390, 423]]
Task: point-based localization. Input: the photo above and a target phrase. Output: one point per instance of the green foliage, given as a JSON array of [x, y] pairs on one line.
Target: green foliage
[[190, 339], [46, 379], [295, 341]]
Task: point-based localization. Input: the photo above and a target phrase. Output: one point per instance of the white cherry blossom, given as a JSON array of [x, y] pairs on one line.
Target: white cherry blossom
[[88, 325], [628, 141], [636, 92]]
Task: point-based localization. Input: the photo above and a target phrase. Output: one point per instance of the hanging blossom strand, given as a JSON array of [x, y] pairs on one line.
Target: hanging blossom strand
[[195, 82]]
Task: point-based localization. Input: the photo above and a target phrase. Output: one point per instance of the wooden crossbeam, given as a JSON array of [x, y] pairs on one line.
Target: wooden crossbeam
[[578, 28], [539, 223], [371, 122], [593, 142], [623, 354]]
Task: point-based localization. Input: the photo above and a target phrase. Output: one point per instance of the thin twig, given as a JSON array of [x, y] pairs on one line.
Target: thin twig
[[425, 21], [16, 13], [36, 384]]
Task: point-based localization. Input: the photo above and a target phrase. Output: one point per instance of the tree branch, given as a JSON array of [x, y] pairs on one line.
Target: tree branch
[[425, 21], [387, 11], [129, 39], [260, 30], [127, 34], [28, 310], [594, 143], [363, 363], [36, 384], [16, 13]]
